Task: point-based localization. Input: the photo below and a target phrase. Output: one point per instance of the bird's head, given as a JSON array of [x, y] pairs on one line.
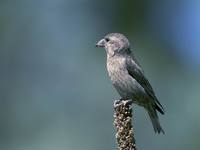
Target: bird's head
[[114, 43]]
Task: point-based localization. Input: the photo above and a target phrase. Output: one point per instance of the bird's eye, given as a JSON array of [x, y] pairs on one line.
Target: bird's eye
[[107, 39]]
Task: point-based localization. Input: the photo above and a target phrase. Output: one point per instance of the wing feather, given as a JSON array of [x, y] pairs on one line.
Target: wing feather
[[137, 73]]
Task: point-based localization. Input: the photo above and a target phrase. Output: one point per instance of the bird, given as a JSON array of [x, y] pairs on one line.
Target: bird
[[128, 77]]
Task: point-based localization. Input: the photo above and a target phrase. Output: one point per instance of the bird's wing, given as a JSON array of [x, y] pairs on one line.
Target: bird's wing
[[137, 73]]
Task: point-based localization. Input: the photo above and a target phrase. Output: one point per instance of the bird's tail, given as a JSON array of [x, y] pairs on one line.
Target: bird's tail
[[154, 118]]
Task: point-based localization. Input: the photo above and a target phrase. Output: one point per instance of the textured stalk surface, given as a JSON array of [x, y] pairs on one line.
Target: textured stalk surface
[[123, 124]]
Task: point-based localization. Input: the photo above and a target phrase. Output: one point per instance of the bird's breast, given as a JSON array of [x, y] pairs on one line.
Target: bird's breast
[[118, 73], [126, 86], [116, 67]]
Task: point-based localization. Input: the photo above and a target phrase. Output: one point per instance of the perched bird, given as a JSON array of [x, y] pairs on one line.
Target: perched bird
[[128, 77]]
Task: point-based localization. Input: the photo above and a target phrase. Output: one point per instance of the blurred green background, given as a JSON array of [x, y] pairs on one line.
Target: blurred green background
[[55, 93]]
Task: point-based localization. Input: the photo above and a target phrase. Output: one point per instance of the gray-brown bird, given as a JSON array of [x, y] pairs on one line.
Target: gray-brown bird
[[128, 77]]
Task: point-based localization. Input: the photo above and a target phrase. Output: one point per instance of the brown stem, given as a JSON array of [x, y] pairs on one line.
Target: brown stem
[[123, 124]]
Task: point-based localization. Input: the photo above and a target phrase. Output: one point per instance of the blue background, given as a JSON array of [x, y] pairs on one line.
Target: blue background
[[54, 89]]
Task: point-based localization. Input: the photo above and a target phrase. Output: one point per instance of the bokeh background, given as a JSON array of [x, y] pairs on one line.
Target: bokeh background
[[55, 93]]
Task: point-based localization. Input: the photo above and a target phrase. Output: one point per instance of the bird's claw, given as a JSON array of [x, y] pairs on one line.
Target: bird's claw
[[127, 102], [118, 103]]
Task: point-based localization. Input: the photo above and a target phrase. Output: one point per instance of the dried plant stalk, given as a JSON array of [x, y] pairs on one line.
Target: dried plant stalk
[[123, 124]]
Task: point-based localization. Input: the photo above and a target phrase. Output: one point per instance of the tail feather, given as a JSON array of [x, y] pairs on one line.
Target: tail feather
[[154, 119], [160, 109]]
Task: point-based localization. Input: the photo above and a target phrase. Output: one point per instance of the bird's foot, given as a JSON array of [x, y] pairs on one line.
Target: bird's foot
[[127, 102], [118, 103]]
